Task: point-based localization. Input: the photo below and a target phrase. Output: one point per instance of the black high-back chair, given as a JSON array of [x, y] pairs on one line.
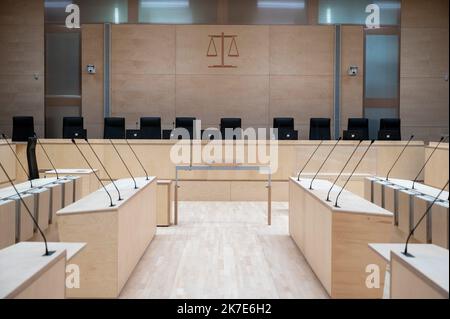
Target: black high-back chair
[[73, 128], [234, 124], [320, 129], [186, 123], [151, 128], [358, 128], [114, 128], [23, 128], [31, 158], [390, 130], [285, 126]]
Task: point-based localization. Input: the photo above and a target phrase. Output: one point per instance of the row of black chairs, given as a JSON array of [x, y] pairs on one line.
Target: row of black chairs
[[150, 128]]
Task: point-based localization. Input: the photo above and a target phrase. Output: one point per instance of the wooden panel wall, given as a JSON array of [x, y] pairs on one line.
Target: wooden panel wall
[[424, 90], [281, 71], [92, 84], [21, 58], [352, 87]]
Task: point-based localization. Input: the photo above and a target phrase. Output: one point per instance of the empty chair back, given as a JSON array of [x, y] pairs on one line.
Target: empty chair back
[[390, 124], [390, 129], [320, 129], [283, 122], [360, 125], [114, 128], [73, 127], [31, 158], [151, 128], [186, 123], [227, 124], [23, 128]]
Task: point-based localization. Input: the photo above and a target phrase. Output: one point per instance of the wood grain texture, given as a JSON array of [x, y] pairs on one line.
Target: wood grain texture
[[21, 57], [245, 258], [92, 42]]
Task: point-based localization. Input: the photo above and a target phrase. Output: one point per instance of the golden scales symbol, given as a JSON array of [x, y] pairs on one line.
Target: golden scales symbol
[[232, 51]]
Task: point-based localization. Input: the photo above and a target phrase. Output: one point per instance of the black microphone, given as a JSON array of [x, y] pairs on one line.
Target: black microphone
[[342, 171], [98, 178], [399, 156], [421, 219], [443, 138], [106, 171], [137, 158], [47, 252], [124, 164], [353, 172], [17, 158], [46, 155], [326, 159], [309, 160]]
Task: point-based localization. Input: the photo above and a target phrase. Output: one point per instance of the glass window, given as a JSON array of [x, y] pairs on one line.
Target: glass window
[[382, 66], [178, 11], [62, 63], [101, 11], [55, 11], [267, 12], [354, 11]]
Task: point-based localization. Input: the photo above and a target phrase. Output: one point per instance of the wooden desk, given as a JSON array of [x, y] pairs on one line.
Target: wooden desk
[[116, 236], [7, 223], [292, 155], [426, 276], [334, 240], [9, 162], [87, 178], [26, 274], [436, 172], [409, 205]]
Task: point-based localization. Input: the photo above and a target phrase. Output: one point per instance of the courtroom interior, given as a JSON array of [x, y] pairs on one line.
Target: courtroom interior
[[224, 149]]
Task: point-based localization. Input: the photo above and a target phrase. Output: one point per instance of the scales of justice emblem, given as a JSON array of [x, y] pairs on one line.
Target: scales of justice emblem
[[233, 51]]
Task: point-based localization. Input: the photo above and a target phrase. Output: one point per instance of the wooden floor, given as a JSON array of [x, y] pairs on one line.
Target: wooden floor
[[224, 250]]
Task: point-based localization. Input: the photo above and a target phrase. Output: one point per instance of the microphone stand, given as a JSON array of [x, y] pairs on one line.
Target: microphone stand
[[326, 159], [18, 160], [47, 252], [429, 158], [46, 155], [342, 171], [405, 252], [309, 160]]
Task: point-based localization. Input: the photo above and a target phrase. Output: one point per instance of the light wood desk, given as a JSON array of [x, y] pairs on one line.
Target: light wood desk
[[116, 236], [426, 276], [334, 240], [26, 274], [88, 180], [9, 162], [436, 172], [409, 205], [7, 223], [292, 155]]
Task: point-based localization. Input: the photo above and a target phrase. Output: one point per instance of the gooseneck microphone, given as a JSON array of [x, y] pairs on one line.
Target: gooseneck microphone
[[443, 138], [353, 172], [342, 171], [399, 156], [139, 161], [309, 160], [124, 164], [92, 169], [18, 160], [47, 252], [106, 171], [326, 159], [46, 155], [405, 252]]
